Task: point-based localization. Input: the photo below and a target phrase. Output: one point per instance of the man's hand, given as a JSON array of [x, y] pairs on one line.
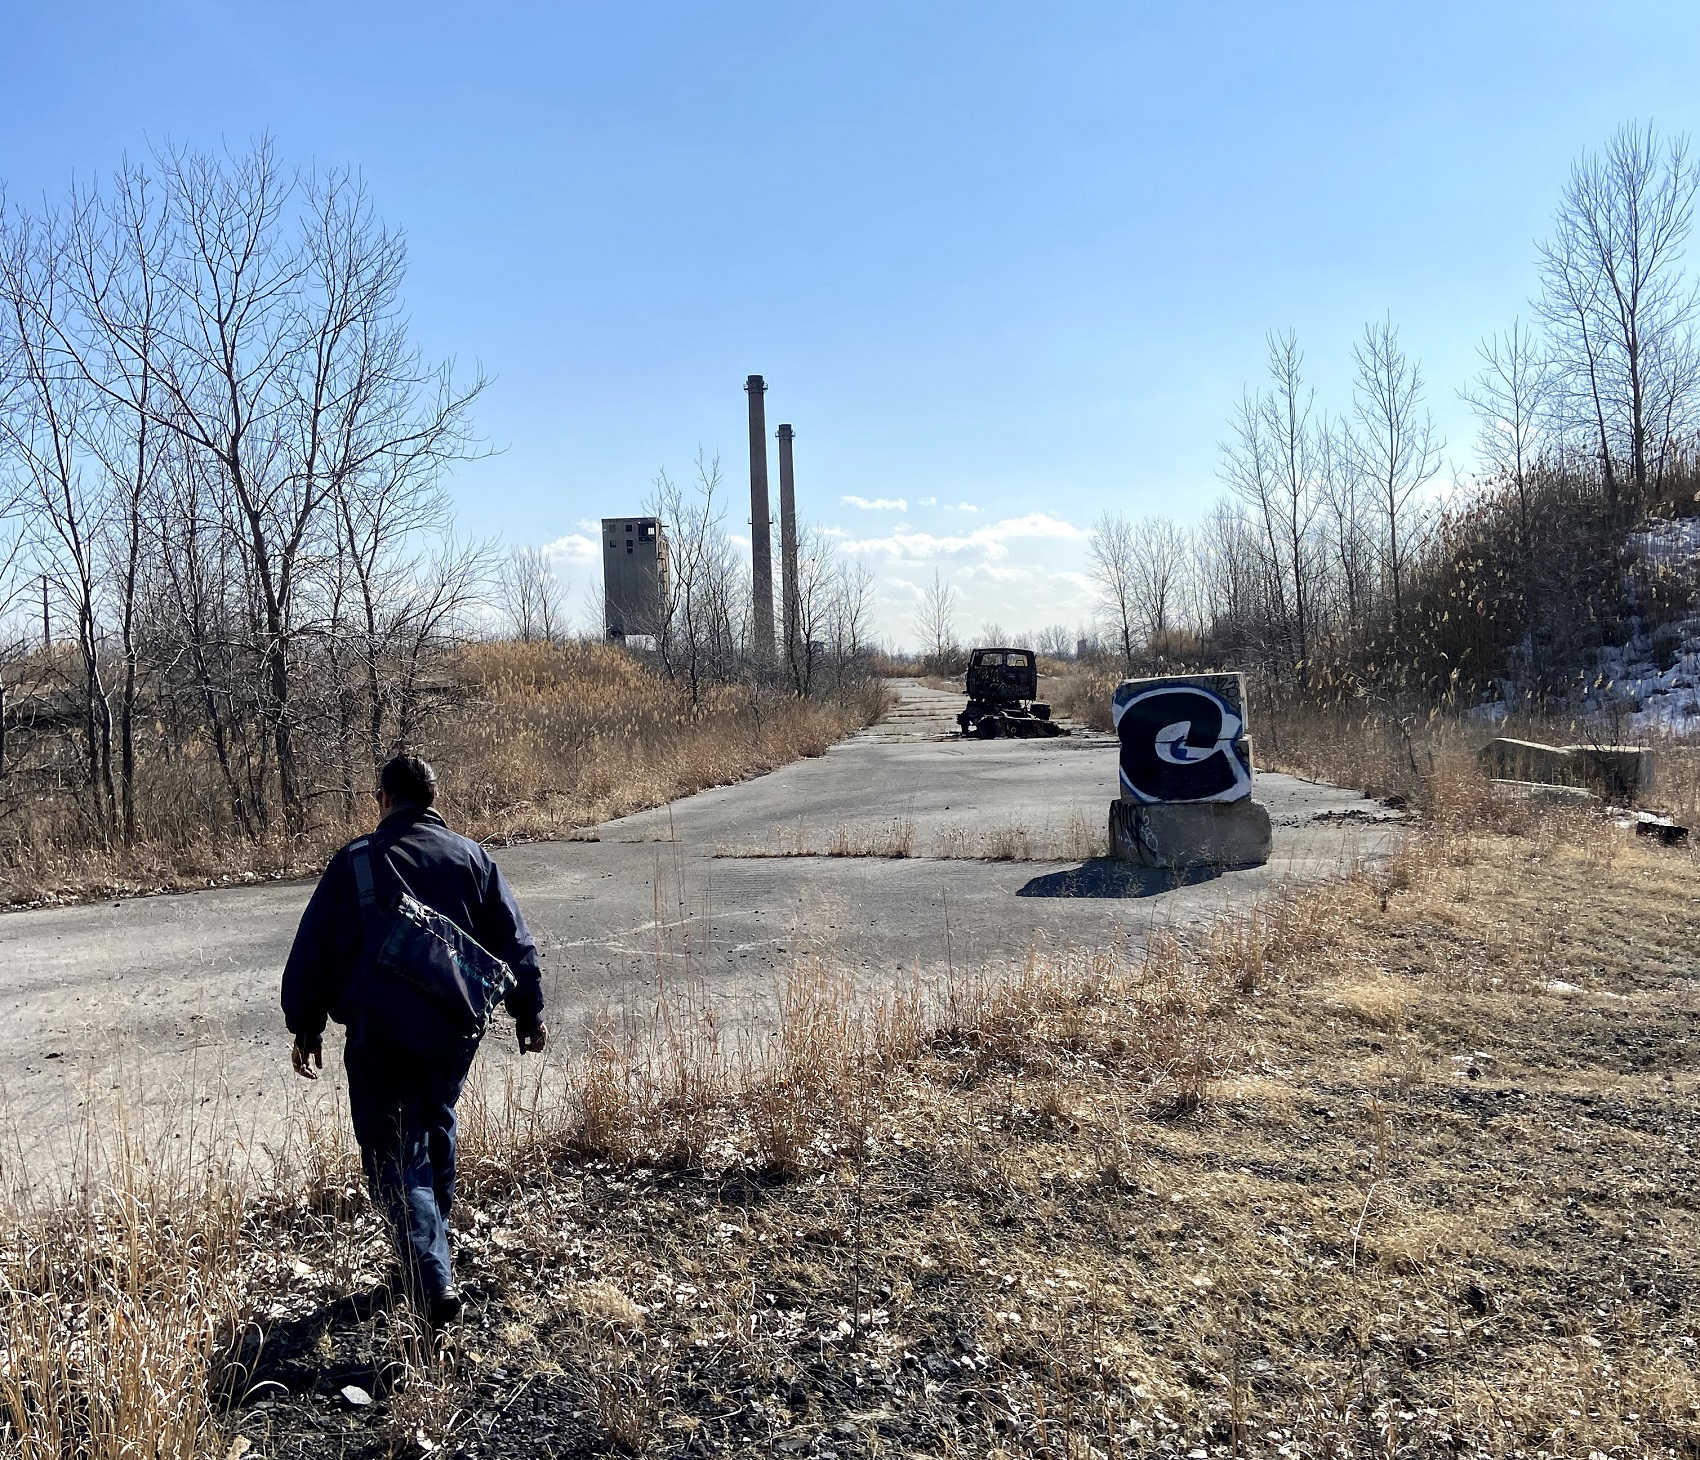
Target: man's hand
[[532, 1040], [305, 1054]]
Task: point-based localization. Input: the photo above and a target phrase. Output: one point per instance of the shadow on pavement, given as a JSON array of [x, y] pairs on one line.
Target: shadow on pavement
[[1111, 877]]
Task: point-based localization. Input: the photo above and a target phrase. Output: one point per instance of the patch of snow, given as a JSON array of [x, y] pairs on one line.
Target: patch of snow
[[1665, 701]]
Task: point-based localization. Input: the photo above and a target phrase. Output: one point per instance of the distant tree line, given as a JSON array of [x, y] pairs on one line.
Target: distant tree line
[[227, 548], [230, 583], [1333, 567], [704, 636]]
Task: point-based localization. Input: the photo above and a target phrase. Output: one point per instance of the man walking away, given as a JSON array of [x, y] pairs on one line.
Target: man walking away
[[409, 937]]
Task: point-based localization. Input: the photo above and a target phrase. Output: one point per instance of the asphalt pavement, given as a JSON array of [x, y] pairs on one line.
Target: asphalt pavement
[[170, 1002]]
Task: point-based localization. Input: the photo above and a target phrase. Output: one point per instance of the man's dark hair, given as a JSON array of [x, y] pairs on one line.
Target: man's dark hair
[[408, 781]]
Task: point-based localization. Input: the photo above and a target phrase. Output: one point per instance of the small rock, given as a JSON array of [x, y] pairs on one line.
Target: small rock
[[356, 1396]]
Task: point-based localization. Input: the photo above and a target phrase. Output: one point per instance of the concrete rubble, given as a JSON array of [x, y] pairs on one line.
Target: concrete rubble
[[1546, 793], [1614, 772]]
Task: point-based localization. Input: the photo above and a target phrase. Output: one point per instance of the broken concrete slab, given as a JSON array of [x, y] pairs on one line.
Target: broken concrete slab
[[1616, 772], [1185, 775], [1189, 834], [1545, 793]]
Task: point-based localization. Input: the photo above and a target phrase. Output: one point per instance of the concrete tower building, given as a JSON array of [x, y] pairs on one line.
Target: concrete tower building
[[635, 577]]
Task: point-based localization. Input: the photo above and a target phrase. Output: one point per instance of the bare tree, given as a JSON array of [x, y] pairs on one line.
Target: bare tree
[[1511, 396], [1271, 465], [531, 596], [851, 604], [233, 455], [1055, 642], [817, 582], [286, 361], [1159, 564], [1113, 564], [699, 635], [1235, 585], [15, 589], [118, 254], [1286, 414], [1349, 541], [1251, 470], [1398, 450], [1621, 310], [43, 433], [935, 622], [446, 587]]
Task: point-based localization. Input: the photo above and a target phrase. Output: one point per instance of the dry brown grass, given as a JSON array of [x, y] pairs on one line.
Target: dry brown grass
[[1243, 1194], [539, 741], [1076, 840], [1398, 1165]]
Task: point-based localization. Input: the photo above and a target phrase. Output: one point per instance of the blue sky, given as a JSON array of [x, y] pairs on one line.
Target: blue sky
[[1013, 258]]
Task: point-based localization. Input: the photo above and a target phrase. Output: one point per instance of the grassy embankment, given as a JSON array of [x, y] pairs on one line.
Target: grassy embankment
[[1399, 1165], [531, 741]]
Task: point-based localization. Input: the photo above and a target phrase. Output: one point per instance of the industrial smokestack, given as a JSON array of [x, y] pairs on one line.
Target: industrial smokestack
[[788, 543], [761, 527]]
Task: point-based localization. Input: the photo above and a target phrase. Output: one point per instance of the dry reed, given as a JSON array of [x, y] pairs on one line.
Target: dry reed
[[535, 741], [136, 1312]]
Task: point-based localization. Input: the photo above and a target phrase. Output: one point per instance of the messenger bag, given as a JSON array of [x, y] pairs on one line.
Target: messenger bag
[[431, 986]]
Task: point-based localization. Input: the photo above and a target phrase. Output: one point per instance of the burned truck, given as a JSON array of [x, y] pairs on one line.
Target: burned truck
[[1002, 689]]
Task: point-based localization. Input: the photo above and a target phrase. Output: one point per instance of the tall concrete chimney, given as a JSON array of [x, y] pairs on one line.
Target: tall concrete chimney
[[761, 527], [788, 543]]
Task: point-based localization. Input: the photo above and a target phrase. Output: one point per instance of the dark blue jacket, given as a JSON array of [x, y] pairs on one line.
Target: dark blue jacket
[[412, 849]]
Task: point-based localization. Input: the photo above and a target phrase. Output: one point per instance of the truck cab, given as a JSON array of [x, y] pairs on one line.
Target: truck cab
[[1002, 686]]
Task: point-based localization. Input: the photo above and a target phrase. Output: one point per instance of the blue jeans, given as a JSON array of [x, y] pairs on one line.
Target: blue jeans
[[404, 1120]]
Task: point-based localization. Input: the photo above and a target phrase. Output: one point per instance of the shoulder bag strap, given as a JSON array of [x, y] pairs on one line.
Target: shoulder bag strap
[[360, 858]]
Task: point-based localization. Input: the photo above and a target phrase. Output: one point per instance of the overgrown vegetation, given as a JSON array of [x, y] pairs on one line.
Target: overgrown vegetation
[[1394, 1165], [230, 582], [1337, 570], [534, 740]]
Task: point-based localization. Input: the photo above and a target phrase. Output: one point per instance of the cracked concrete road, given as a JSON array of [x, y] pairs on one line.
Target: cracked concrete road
[[171, 1002]]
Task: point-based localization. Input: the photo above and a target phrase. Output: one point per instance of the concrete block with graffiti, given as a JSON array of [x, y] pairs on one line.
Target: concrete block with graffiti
[[1186, 774]]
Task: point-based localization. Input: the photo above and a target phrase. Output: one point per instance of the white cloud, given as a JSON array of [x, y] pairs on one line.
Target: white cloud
[[1028, 575], [575, 547], [989, 543], [948, 507], [878, 504]]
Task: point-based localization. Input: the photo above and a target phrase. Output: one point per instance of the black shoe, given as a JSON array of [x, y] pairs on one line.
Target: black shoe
[[446, 1307]]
